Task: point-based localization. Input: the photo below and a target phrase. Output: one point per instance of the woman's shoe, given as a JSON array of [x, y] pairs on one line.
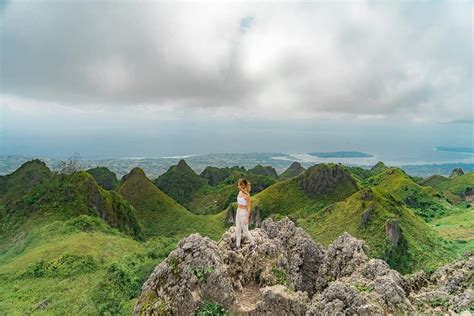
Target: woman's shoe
[[237, 249]]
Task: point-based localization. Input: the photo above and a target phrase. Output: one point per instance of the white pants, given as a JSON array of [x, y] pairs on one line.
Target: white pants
[[240, 217]]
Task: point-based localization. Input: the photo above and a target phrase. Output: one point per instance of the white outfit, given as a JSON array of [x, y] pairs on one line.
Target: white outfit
[[242, 214]]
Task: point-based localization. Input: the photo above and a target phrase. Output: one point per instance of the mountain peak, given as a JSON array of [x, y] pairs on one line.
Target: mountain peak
[[135, 173], [379, 166], [456, 172], [324, 180], [293, 170], [182, 165]]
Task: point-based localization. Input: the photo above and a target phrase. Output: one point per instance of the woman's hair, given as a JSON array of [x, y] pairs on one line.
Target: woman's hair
[[244, 185]]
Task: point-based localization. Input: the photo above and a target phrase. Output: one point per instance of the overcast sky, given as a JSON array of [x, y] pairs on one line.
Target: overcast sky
[[108, 68]]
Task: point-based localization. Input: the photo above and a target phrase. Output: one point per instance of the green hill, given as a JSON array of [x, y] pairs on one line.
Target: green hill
[[104, 177], [180, 182], [427, 202], [315, 188], [392, 231], [33, 195], [160, 215], [457, 184], [267, 171], [295, 169], [213, 199]]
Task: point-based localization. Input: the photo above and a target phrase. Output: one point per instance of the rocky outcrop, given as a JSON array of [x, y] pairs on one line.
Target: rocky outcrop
[[289, 274], [456, 172], [328, 180]]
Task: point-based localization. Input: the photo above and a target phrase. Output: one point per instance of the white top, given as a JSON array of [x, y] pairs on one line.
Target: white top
[[241, 200]]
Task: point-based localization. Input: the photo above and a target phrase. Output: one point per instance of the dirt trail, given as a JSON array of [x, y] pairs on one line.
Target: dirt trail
[[247, 299]]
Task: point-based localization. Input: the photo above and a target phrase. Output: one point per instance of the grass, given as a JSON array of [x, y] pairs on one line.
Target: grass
[[160, 215], [62, 269], [456, 184], [458, 227], [426, 202], [419, 246]]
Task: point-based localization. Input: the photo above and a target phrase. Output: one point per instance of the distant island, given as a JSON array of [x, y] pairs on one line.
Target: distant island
[[341, 154], [456, 149]]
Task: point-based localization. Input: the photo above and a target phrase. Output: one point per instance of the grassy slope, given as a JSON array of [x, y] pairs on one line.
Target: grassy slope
[[420, 247], [76, 267], [289, 198], [427, 202], [180, 182], [161, 215], [456, 184]]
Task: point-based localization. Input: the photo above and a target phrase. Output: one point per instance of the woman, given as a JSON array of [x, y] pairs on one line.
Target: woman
[[243, 214]]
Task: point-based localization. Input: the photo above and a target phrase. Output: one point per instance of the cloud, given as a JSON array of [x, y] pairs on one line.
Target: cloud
[[361, 60]]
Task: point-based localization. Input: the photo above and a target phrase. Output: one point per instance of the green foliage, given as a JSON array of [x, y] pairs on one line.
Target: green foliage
[[419, 245], [280, 276], [426, 202], [363, 288], [104, 177], [180, 182], [457, 184], [201, 272], [65, 265], [210, 308], [267, 171], [294, 170], [160, 215]]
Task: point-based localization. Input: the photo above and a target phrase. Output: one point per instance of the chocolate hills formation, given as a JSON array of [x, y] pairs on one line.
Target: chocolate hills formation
[[315, 188], [104, 177], [393, 232], [267, 171], [180, 182], [159, 214], [289, 274], [293, 170]]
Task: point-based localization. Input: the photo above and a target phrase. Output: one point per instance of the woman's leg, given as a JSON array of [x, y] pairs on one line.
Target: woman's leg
[[238, 227], [245, 228]]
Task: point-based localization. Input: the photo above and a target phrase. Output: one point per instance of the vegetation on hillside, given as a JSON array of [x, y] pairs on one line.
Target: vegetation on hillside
[[369, 214], [104, 177]]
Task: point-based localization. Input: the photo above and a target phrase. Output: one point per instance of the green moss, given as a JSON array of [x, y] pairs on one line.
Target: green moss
[[201, 272], [210, 308], [280, 276]]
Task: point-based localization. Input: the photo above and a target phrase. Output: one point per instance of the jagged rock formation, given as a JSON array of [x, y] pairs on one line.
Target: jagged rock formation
[[456, 172], [290, 274], [295, 169]]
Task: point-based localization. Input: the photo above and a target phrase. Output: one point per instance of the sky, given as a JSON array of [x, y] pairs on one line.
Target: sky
[[143, 78]]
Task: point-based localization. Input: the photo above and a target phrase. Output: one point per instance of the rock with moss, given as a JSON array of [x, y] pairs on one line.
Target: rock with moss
[[288, 274], [328, 181]]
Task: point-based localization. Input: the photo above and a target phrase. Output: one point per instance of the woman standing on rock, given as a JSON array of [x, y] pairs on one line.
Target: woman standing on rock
[[243, 214]]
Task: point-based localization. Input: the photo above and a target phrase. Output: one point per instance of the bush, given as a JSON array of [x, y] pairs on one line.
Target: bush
[[64, 266], [210, 308]]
